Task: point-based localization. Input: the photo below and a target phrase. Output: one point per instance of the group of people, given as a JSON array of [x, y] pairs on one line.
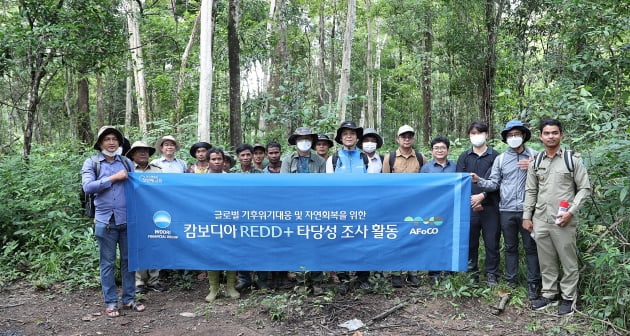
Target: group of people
[[513, 193]]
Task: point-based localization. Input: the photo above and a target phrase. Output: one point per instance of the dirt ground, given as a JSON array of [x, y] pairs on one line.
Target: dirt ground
[[25, 310]]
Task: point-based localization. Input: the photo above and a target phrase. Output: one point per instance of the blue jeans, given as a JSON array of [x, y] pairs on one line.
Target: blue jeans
[[109, 236], [512, 225], [484, 223]]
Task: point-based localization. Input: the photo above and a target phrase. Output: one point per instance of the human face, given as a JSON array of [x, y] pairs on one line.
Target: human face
[[439, 151], [273, 154], [322, 147], [245, 158], [201, 154], [140, 156], [168, 148], [348, 138], [110, 143], [259, 156], [551, 136], [216, 163], [406, 140]]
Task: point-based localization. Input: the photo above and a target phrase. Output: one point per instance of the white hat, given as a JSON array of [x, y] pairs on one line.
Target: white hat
[[405, 129], [158, 144]]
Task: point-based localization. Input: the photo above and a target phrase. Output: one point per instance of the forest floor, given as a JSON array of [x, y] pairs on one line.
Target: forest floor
[[26, 310]]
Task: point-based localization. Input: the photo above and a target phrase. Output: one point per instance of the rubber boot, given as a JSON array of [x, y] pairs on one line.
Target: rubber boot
[[213, 279], [230, 283]]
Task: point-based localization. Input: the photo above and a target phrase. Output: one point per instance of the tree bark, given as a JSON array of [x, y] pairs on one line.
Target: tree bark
[[234, 50], [182, 72], [83, 108], [370, 68], [129, 93], [138, 65], [277, 63], [100, 110], [344, 80], [205, 73], [494, 10], [426, 77]]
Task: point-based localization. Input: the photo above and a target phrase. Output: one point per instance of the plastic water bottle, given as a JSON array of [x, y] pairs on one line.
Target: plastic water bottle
[[564, 207]]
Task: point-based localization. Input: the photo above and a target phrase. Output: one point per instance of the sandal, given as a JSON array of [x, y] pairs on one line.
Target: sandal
[[112, 311], [135, 306]]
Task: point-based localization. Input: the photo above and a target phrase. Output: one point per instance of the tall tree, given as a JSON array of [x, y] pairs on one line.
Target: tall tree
[[234, 51], [493, 13], [344, 80], [369, 73], [427, 99], [205, 72], [135, 46]]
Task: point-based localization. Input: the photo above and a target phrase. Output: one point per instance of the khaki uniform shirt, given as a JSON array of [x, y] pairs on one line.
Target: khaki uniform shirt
[[546, 186], [402, 164]]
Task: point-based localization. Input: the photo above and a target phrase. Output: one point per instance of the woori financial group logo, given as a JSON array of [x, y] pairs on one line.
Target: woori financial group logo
[[162, 219]]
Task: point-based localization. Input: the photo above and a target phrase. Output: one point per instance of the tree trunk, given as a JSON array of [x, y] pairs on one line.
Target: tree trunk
[[205, 73], [426, 77], [100, 110], [129, 94], [324, 97], [138, 65], [182, 72], [277, 63], [234, 50], [344, 80], [380, 44], [370, 68], [83, 108], [493, 21]]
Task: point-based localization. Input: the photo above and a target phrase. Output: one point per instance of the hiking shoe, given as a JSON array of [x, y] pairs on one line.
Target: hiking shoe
[[241, 285], [566, 307], [532, 291], [513, 284], [157, 287], [434, 280], [342, 288], [413, 280], [543, 302], [396, 281], [491, 279], [141, 289]]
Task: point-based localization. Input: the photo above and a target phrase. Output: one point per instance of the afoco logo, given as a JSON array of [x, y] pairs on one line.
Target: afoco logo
[[433, 220]]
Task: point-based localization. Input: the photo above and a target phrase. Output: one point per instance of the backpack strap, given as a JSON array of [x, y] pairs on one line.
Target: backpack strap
[[501, 158], [568, 160], [96, 165], [392, 160], [539, 159], [420, 160], [335, 158], [366, 160]]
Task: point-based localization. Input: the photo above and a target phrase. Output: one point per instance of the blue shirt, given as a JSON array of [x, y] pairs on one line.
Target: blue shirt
[[109, 197], [434, 167]]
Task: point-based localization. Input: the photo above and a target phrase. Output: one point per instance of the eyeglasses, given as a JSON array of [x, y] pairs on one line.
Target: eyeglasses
[[407, 137], [514, 134], [440, 148]]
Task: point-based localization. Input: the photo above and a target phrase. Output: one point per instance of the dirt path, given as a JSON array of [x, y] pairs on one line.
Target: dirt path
[[28, 311]]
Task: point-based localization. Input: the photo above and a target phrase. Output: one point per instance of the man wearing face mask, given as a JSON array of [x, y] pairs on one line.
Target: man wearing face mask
[[509, 173], [303, 161], [369, 143], [484, 216]]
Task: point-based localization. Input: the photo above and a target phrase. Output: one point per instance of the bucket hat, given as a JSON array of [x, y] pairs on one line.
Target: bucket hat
[[193, 148], [349, 125], [139, 144], [302, 131], [105, 130], [158, 144], [512, 124], [323, 137], [261, 147], [370, 132]]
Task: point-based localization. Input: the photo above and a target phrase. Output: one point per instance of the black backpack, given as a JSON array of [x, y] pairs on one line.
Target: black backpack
[[392, 160], [335, 158], [87, 200]]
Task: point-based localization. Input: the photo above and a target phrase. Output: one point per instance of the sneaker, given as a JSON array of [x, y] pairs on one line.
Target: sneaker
[[396, 281], [566, 307], [365, 286], [141, 289], [434, 280], [543, 302], [491, 279], [413, 280], [157, 287], [532, 291]]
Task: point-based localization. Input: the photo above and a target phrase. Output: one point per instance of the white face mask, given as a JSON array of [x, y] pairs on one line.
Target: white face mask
[[515, 142], [478, 140], [108, 153], [304, 145], [369, 147]]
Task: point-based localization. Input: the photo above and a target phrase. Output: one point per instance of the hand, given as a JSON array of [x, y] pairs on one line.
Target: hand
[[121, 175], [475, 200], [475, 177], [523, 164], [528, 225], [564, 219]]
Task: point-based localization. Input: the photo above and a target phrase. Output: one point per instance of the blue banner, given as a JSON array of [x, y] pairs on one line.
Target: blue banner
[[309, 222]]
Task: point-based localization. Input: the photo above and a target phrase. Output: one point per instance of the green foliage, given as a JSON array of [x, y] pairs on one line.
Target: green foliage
[[44, 234]]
